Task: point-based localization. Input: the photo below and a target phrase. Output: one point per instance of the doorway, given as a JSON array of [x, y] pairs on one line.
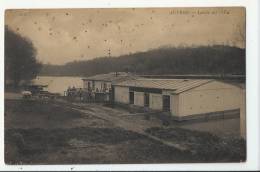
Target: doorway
[[131, 97], [146, 100], [166, 103]]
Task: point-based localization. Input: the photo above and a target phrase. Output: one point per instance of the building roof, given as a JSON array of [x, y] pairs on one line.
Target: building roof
[[112, 77], [176, 85]]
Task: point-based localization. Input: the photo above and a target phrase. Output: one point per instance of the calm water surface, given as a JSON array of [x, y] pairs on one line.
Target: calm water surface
[[58, 84]]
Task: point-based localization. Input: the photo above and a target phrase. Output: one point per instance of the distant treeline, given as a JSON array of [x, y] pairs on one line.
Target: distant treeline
[[217, 59]]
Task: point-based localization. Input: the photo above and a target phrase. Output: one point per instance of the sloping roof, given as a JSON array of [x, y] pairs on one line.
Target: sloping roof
[[236, 84], [176, 85], [111, 77]]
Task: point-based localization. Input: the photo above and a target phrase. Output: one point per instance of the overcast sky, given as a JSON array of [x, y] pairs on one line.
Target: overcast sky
[[63, 35]]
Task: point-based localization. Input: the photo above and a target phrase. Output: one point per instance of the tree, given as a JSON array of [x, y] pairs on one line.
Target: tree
[[20, 58]]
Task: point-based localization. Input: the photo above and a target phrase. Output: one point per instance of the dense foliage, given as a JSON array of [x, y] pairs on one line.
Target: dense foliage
[[217, 59], [20, 58]]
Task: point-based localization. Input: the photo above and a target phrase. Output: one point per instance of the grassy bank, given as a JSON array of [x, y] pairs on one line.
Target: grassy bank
[[48, 132], [204, 146]]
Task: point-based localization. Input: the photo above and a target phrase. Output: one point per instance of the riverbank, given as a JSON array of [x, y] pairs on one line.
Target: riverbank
[[57, 132]]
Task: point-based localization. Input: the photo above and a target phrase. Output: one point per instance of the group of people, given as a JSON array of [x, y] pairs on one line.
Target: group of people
[[86, 95], [73, 93]]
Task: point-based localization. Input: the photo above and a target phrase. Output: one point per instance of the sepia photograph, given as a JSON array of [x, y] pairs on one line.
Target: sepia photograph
[[125, 85]]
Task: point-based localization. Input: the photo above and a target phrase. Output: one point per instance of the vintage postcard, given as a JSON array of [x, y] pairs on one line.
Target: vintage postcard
[[125, 85]]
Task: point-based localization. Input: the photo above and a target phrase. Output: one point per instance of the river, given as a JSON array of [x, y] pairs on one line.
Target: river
[[58, 84]]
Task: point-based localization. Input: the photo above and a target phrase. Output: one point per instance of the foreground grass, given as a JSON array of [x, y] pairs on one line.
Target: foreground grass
[[42, 132], [204, 146], [85, 145]]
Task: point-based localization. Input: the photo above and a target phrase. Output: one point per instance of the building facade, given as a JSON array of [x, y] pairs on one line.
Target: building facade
[[100, 86], [103, 82], [182, 98]]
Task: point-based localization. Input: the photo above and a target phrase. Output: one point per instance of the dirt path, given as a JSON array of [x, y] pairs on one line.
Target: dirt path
[[118, 120]]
